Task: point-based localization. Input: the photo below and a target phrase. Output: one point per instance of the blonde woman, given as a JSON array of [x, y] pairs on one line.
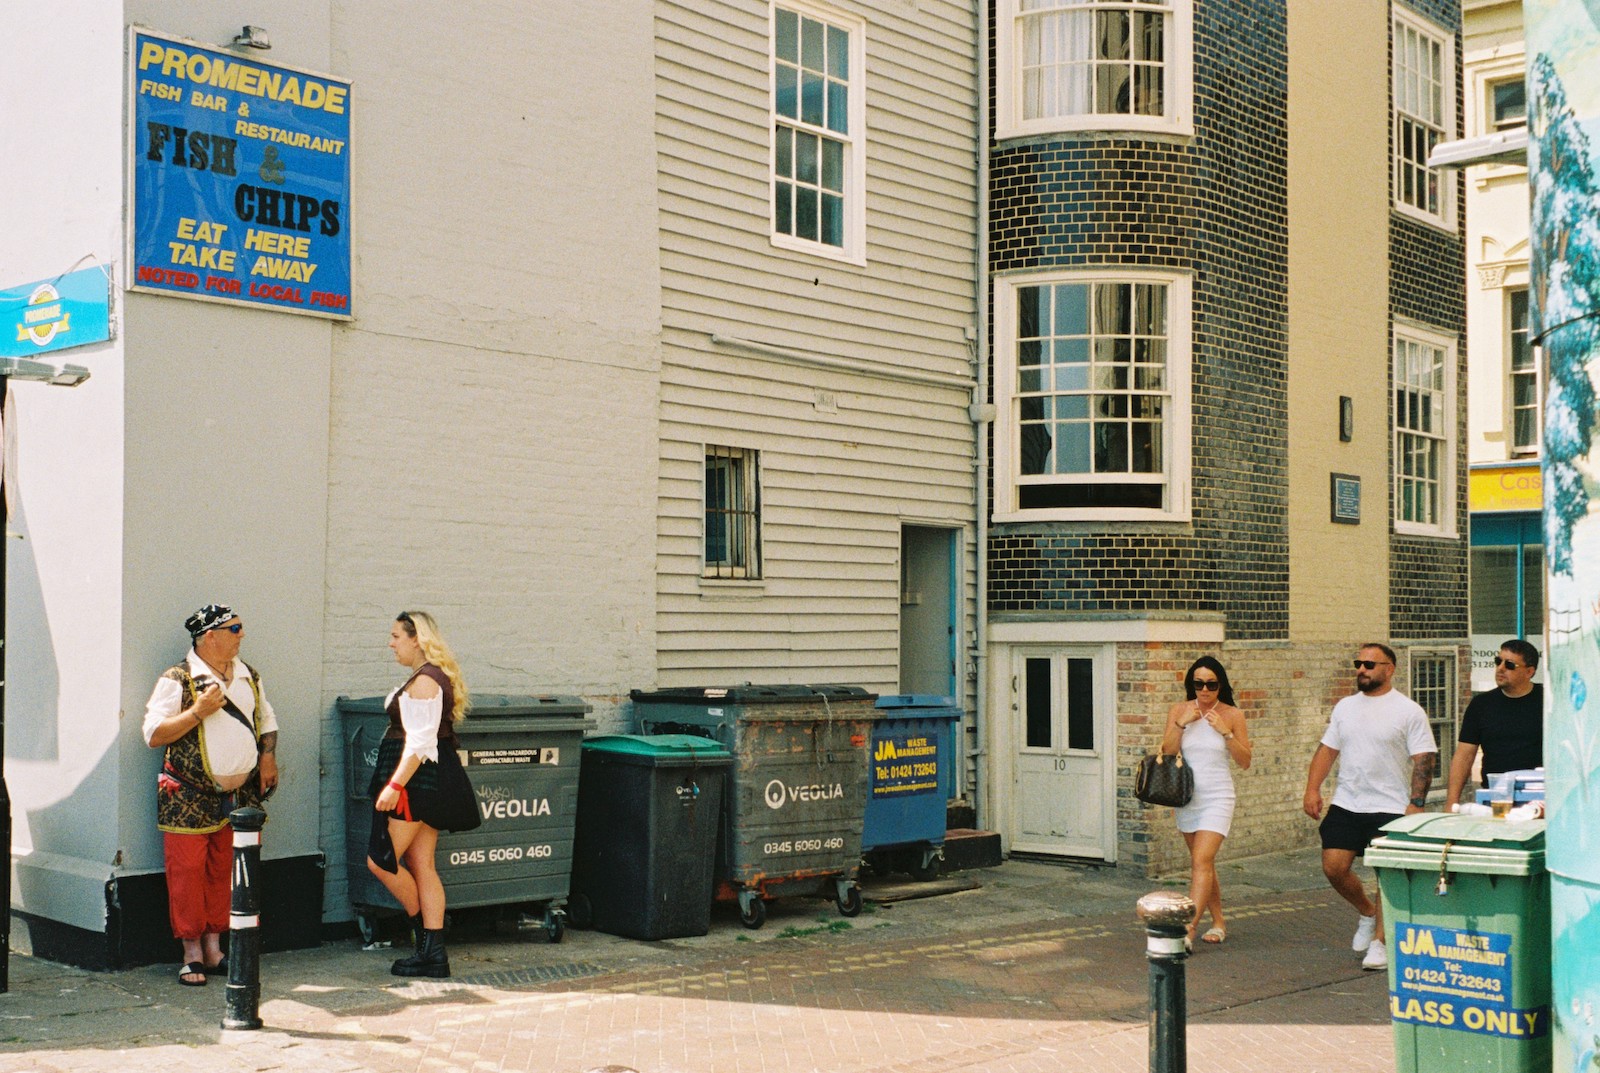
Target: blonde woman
[[1212, 735], [405, 783]]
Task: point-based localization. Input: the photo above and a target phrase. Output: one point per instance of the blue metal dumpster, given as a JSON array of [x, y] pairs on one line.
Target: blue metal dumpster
[[911, 783]]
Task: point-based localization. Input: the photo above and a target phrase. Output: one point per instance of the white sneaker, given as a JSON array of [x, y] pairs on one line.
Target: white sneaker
[[1377, 957], [1364, 933]]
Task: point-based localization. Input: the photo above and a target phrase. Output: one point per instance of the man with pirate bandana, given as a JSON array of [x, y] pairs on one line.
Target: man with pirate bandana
[[220, 735]]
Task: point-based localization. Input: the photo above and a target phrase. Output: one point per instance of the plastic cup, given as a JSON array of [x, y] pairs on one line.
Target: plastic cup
[[1500, 808]]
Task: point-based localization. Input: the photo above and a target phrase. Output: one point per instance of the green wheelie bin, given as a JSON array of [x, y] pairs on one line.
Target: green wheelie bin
[[1466, 911]]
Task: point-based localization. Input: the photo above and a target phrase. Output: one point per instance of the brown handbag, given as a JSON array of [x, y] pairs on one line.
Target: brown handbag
[[1164, 780]]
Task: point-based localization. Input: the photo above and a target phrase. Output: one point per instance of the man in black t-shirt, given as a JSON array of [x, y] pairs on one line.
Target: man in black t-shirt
[[1507, 721]]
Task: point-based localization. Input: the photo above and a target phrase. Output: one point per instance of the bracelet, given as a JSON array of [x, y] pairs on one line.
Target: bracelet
[[1228, 736], [395, 786]]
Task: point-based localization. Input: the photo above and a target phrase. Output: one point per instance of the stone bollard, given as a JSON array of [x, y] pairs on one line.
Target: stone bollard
[[1166, 917], [244, 922]]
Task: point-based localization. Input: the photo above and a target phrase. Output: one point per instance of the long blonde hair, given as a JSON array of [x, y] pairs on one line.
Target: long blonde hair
[[421, 627]]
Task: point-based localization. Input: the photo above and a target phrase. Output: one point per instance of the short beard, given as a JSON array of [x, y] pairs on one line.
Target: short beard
[[1366, 686]]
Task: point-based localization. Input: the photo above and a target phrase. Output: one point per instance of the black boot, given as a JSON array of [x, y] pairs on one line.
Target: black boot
[[431, 960], [416, 946]]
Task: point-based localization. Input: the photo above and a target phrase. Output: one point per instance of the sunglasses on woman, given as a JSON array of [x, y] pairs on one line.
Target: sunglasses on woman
[[1207, 684]]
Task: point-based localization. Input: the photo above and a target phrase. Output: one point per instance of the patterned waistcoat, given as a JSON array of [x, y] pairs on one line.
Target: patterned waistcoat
[[188, 801]]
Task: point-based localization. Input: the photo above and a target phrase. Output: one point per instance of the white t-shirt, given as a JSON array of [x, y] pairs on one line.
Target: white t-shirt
[[1376, 738], [230, 746]]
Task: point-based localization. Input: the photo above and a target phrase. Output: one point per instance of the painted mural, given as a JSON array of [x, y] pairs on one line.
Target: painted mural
[[1563, 42]]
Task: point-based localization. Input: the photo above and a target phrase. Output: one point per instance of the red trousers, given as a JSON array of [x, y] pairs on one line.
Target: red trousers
[[199, 882]]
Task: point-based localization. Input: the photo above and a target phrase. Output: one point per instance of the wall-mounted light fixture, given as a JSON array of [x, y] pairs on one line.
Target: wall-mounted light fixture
[[253, 37]]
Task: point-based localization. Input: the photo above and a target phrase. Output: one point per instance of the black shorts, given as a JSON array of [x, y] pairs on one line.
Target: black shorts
[[1343, 829]]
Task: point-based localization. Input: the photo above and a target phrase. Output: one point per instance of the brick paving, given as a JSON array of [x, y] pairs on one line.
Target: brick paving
[[1031, 972]]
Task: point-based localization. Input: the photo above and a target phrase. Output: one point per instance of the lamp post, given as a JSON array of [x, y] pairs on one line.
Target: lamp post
[[61, 376]]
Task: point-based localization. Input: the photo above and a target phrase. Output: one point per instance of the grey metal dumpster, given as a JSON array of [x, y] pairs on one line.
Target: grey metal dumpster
[[522, 754], [797, 789]]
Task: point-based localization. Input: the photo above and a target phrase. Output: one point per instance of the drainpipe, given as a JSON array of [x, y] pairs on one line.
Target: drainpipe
[[982, 413]]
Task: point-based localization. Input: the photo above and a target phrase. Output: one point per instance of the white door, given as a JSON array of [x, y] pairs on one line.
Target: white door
[[1064, 799]]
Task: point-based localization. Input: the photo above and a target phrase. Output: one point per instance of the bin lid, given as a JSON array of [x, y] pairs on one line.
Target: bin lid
[[1481, 844], [745, 694], [916, 700], [487, 705], [658, 750]]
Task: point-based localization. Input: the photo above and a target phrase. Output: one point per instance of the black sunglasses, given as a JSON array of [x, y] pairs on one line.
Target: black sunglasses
[[1507, 664], [1201, 683], [1368, 664]]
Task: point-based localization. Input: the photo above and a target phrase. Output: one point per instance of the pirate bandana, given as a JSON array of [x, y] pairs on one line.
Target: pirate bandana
[[207, 618]]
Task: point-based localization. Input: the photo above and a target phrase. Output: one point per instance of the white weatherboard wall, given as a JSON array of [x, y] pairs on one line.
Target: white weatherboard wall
[[62, 201], [493, 413], [846, 457]]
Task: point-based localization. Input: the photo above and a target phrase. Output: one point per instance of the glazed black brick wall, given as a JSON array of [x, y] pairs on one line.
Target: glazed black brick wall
[[1213, 205], [1427, 283]]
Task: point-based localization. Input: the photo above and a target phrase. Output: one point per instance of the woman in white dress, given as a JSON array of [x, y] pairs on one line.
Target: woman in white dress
[[1211, 733]]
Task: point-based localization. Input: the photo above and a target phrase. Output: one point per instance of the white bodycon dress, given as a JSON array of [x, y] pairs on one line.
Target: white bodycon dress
[[1211, 807]]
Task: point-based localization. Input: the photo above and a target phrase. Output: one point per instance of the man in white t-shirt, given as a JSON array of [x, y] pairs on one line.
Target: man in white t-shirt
[[1386, 754]]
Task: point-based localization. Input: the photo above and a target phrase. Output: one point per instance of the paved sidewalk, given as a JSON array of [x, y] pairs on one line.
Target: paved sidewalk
[[1039, 967]]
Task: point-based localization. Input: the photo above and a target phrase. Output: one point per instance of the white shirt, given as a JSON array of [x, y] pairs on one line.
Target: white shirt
[[1376, 738], [420, 720], [229, 747]]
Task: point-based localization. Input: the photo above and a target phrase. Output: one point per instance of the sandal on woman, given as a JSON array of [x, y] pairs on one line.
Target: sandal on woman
[[192, 968], [1216, 936]]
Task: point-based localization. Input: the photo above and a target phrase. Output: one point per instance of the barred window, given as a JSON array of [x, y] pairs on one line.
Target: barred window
[[733, 514], [1433, 685]]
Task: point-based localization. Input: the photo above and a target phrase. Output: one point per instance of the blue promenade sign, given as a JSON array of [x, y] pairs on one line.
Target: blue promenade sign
[[240, 179], [56, 314]]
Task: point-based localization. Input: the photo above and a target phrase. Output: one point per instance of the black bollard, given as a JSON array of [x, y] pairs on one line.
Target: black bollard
[[244, 923], [1166, 917]]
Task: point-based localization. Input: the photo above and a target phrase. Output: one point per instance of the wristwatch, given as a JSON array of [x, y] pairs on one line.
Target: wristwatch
[[1419, 802]]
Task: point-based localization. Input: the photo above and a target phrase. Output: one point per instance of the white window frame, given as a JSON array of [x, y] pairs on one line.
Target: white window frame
[[1408, 338], [747, 565], [1413, 103], [1178, 113], [1176, 426], [1534, 372], [854, 170], [1440, 700]]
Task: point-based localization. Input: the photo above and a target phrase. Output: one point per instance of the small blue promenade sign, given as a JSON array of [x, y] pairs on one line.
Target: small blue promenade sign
[[240, 179], [56, 314]]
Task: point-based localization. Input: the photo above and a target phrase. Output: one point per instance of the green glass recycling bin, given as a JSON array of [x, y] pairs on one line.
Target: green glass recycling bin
[[797, 790], [1466, 911], [521, 753], [648, 812]]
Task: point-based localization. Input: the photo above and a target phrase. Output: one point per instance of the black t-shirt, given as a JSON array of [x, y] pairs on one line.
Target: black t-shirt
[[1509, 729]]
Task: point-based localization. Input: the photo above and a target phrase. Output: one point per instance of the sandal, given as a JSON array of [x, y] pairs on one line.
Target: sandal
[[192, 968], [1216, 936], [219, 969]]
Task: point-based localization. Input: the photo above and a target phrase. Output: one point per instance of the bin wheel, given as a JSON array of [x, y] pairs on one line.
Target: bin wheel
[[849, 902], [555, 924], [580, 912], [925, 867], [367, 925], [754, 915]]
